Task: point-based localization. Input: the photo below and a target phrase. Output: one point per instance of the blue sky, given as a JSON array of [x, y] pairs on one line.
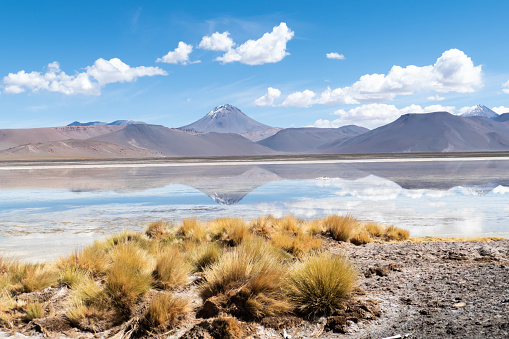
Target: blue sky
[[284, 63]]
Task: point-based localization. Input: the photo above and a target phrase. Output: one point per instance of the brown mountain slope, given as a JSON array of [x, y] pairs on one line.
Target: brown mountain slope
[[14, 137], [74, 148], [177, 142]]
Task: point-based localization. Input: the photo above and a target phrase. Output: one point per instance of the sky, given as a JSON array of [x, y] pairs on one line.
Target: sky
[[283, 63]]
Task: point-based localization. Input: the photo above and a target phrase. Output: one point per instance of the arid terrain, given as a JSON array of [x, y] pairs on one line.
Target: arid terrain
[[415, 288]]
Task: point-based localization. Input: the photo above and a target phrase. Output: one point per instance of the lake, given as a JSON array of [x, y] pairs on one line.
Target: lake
[[47, 211]]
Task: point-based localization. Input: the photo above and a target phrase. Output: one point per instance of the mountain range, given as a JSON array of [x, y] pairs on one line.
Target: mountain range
[[227, 131]]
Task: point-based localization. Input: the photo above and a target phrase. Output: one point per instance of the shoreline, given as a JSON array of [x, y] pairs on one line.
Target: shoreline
[[28, 164]]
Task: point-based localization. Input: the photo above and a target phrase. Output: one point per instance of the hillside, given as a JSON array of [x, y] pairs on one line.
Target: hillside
[[306, 139], [430, 132], [176, 142], [14, 137], [74, 148]]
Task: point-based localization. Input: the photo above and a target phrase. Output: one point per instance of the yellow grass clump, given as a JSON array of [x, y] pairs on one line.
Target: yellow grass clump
[[172, 268], [157, 230], [231, 231], [166, 309], [375, 229], [92, 259], [317, 284], [340, 228], [254, 275], [202, 256], [129, 275], [361, 237], [396, 233], [33, 311], [192, 229]]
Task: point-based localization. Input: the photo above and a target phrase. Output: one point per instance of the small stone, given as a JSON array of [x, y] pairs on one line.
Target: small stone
[[459, 305]]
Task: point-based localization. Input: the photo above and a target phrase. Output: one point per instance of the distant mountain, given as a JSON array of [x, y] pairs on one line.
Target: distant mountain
[[430, 132], [226, 119], [99, 123], [306, 139], [480, 111], [502, 117], [74, 148], [14, 137], [90, 123], [173, 141]]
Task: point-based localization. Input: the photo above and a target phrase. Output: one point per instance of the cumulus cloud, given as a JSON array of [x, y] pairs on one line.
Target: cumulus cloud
[[268, 99], [436, 98], [335, 55], [506, 89], [453, 71], [300, 99], [217, 42], [374, 115], [270, 48], [179, 55], [90, 82], [500, 109]]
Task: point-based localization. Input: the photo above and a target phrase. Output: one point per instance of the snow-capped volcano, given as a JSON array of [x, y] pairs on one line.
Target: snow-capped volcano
[[480, 111], [226, 119]]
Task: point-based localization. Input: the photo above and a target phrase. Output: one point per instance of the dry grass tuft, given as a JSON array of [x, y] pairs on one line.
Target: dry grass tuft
[[92, 259], [296, 245], [396, 233], [129, 275], [253, 275], [157, 230], [36, 277], [340, 228], [33, 311], [166, 309], [263, 226], [375, 229], [360, 238], [231, 231], [202, 256], [72, 276], [319, 283], [172, 268], [192, 229]]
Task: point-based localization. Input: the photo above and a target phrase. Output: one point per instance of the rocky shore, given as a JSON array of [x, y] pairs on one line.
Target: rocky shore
[[405, 290]]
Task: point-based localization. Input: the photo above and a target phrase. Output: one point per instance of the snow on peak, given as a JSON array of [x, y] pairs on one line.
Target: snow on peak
[[479, 111], [222, 110]]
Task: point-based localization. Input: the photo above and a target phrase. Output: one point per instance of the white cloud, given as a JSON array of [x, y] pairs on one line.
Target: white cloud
[[436, 98], [179, 55], [300, 99], [270, 48], [374, 115], [506, 90], [114, 70], [500, 109], [453, 71], [335, 55], [268, 99], [90, 82], [217, 42]]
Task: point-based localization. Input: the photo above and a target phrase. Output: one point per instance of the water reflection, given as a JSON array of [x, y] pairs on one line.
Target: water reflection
[[65, 208]]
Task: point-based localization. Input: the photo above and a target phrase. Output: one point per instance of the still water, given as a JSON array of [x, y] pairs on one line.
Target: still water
[[47, 212]]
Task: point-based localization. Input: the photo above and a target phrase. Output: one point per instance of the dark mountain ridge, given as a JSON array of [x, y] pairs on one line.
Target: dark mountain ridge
[[427, 132]]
